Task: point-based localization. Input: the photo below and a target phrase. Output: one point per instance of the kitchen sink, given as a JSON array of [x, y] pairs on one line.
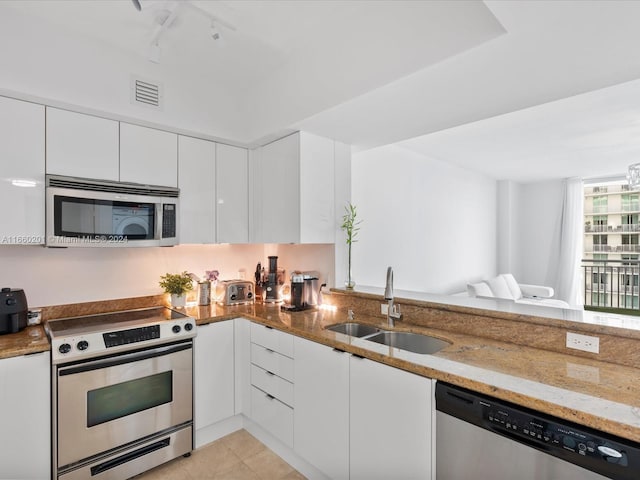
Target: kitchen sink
[[353, 329], [413, 342]]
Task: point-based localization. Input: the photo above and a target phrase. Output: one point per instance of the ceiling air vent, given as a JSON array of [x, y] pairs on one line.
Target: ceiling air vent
[[146, 93]]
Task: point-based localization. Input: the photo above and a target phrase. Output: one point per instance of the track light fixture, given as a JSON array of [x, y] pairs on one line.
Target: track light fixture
[[214, 31]]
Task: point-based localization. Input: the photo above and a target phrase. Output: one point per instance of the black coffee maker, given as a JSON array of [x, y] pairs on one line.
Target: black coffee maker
[[13, 310]]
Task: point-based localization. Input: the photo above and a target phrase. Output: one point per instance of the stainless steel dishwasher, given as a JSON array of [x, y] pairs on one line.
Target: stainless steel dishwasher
[[480, 437]]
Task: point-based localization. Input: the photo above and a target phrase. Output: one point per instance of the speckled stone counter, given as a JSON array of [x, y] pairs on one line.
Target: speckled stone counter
[[598, 394], [30, 340], [484, 355]]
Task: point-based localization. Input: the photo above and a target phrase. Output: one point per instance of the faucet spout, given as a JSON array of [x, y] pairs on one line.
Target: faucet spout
[[388, 289], [393, 311]]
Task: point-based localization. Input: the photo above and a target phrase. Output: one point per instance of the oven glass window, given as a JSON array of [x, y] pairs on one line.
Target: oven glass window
[[122, 399], [85, 217]]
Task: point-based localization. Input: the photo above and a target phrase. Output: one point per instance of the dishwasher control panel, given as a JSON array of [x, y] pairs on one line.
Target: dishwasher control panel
[[597, 451], [533, 428]]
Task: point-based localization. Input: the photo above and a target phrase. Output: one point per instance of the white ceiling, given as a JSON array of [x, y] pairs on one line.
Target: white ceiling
[[500, 87]]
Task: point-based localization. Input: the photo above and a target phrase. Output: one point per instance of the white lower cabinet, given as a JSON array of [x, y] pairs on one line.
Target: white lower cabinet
[[272, 388], [25, 417], [390, 422], [321, 416], [214, 375]]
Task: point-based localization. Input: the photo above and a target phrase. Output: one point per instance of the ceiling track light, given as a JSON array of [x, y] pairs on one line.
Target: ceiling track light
[[214, 32]]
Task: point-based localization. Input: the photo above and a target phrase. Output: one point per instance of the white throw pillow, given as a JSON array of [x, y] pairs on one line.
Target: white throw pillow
[[514, 288], [499, 287], [479, 290]]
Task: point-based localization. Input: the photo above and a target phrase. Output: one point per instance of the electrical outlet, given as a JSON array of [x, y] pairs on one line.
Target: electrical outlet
[[585, 343], [384, 308]]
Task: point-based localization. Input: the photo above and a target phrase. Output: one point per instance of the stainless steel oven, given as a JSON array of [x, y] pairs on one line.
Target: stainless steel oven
[[123, 392]]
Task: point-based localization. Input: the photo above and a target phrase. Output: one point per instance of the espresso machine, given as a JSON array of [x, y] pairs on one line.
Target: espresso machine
[[274, 281], [305, 291]]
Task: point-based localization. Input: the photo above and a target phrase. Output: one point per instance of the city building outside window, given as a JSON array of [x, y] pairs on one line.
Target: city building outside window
[[611, 256]]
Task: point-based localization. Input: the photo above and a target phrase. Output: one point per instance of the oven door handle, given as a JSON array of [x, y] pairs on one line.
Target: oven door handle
[[124, 358]]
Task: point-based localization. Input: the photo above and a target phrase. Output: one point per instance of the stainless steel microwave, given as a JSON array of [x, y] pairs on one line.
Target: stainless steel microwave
[[82, 212]]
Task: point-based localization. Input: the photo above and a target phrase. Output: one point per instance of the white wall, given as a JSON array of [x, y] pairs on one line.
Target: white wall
[[538, 233], [433, 222], [52, 276]]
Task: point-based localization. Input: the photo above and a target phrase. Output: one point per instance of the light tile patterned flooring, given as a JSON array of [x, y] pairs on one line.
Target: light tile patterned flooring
[[238, 456]]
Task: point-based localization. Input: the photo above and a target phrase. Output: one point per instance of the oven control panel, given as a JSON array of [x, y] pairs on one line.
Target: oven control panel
[[72, 347]]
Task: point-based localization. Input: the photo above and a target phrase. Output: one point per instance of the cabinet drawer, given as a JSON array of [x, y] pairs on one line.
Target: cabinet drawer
[[272, 339], [272, 361], [272, 384], [272, 415]]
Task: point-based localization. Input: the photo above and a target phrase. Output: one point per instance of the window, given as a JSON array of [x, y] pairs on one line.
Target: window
[[600, 204], [630, 202], [599, 223]]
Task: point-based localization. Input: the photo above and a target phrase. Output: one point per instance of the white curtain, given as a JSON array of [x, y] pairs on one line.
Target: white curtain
[[568, 281]]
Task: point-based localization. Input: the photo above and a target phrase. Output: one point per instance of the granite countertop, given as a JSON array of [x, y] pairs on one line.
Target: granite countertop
[[32, 339], [598, 394]]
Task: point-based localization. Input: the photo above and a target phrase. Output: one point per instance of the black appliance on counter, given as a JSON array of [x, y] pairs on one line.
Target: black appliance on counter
[[13, 310], [305, 291], [274, 282]]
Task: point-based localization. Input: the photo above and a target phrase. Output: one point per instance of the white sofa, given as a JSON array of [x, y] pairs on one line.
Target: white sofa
[[506, 287]]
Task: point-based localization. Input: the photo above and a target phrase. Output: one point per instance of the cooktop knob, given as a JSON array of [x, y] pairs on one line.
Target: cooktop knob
[[176, 329], [83, 345], [188, 327], [64, 348]]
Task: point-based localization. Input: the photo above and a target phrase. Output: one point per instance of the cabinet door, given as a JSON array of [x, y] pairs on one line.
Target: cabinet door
[[321, 416], [148, 156], [25, 416], [196, 174], [214, 374], [81, 145], [390, 418], [232, 192], [317, 212], [279, 177], [22, 153]]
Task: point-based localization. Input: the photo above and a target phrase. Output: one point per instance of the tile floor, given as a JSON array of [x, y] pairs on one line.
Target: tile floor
[[238, 456]]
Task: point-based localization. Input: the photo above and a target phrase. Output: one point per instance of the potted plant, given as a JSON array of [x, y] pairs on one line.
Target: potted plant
[[176, 284], [350, 226]]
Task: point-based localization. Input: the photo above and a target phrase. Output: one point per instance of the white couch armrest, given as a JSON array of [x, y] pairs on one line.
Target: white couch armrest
[[538, 291]]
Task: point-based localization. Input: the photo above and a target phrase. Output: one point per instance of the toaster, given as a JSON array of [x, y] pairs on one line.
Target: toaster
[[234, 292]]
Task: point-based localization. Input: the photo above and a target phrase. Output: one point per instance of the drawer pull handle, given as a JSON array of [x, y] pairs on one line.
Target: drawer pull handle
[[269, 350], [271, 374], [338, 350], [270, 397], [267, 326]]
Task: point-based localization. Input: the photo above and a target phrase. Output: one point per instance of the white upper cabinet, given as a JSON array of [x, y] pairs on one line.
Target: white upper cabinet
[[232, 194], [148, 156], [22, 184], [81, 145], [293, 201], [197, 179]]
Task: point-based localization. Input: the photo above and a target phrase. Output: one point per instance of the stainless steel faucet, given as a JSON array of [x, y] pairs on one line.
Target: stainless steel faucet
[[393, 311]]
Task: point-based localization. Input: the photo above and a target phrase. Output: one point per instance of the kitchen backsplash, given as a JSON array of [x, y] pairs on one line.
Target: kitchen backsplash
[[52, 276]]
